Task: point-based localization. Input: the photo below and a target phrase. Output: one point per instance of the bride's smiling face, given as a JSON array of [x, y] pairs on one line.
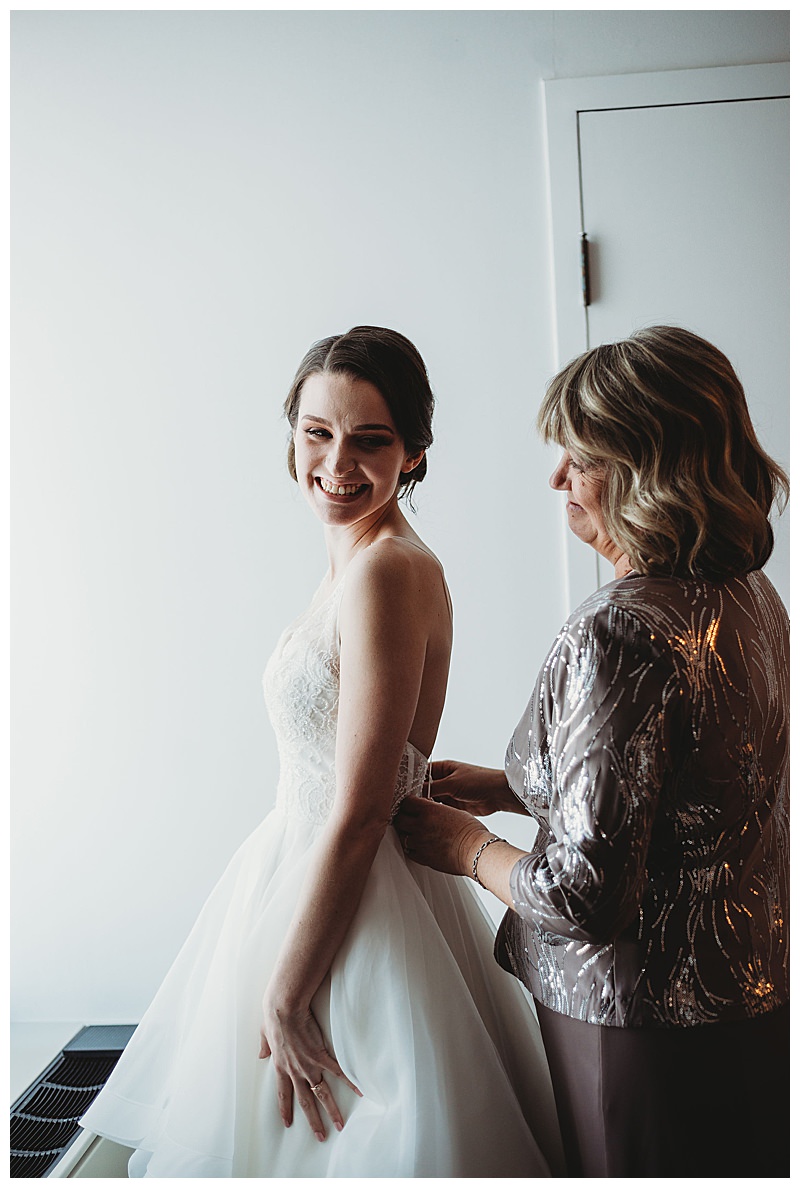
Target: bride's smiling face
[[348, 454]]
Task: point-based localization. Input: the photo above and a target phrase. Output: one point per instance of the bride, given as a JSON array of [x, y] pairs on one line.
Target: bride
[[336, 1009]]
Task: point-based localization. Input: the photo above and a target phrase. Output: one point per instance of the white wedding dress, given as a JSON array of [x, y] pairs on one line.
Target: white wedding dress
[[442, 1043]]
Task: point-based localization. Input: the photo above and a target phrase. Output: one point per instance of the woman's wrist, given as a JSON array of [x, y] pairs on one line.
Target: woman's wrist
[[505, 799], [489, 841], [497, 796], [470, 845], [493, 861]]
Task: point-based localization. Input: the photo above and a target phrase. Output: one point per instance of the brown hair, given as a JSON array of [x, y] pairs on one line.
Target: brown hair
[[688, 490], [394, 365]]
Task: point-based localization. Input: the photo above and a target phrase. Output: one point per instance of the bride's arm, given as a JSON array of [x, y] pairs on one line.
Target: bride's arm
[[384, 625]]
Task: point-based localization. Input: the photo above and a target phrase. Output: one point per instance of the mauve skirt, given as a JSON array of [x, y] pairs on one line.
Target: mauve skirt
[[695, 1101]]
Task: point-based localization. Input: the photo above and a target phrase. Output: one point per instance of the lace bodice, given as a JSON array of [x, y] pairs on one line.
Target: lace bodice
[[301, 689]]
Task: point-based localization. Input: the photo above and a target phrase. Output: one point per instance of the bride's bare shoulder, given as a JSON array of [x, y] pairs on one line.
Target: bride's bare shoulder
[[393, 568], [395, 556]]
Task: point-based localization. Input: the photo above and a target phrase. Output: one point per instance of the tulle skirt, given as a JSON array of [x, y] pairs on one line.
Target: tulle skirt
[[443, 1044]]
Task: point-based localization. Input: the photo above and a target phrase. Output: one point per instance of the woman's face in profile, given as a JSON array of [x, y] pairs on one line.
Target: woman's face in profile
[[583, 486]]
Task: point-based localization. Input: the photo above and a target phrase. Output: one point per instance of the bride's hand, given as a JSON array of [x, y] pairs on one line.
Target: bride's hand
[[295, 1042], [438, 836]]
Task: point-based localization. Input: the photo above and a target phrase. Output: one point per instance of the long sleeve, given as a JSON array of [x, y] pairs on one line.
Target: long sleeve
[[608, 705], [653, 755]]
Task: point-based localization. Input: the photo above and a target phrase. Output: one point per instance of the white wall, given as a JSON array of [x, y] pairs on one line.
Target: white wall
[[197, 197]]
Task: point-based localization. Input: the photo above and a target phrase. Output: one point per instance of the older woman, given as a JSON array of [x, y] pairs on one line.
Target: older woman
[[650, 919]]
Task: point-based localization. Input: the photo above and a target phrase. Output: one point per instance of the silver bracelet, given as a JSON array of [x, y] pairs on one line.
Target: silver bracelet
[[489, 841]]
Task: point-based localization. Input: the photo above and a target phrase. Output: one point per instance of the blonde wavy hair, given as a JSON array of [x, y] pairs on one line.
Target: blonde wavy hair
[[687, 488]]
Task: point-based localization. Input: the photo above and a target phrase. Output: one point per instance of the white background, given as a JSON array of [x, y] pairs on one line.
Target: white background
[[197, 196]]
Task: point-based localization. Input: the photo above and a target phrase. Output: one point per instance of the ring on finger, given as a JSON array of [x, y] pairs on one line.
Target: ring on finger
[[318, 1086]]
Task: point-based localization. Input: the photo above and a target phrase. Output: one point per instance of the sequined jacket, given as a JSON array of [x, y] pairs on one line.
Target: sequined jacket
[[654, 756]]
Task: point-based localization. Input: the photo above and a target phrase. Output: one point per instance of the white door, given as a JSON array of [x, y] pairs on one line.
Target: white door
[[685, 204]]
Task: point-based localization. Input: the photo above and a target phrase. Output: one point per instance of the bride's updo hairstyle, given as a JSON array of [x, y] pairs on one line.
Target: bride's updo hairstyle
[[394, 366], [687, 488]]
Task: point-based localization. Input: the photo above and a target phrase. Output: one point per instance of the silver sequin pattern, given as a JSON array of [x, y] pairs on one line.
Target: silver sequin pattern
[[654, 756]]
